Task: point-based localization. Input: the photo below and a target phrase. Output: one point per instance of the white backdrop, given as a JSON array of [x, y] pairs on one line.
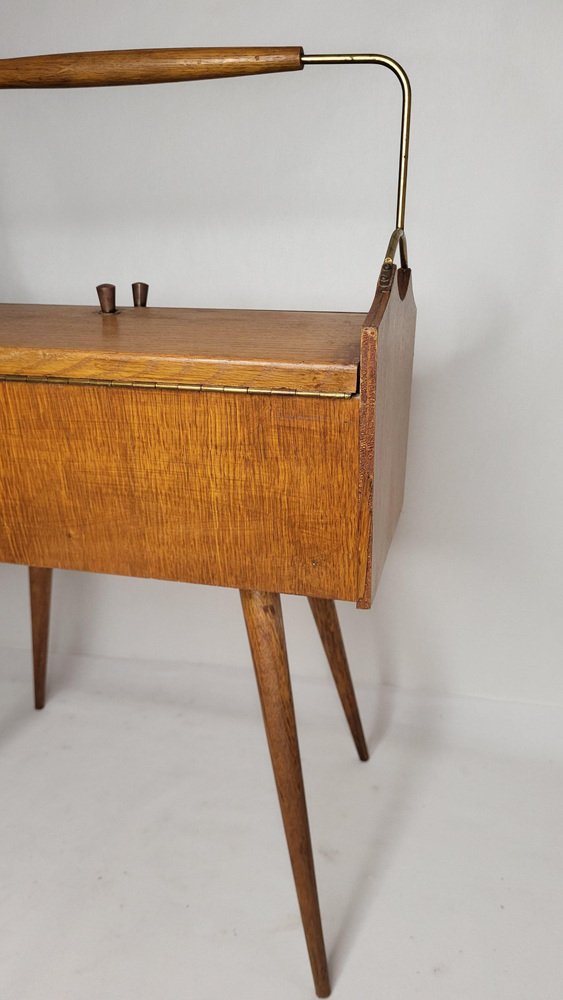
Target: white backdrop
[[279, 192]]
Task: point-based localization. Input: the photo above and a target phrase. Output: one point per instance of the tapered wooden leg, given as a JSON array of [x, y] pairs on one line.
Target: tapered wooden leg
[[324, 613], [264, 623], [40, 596]]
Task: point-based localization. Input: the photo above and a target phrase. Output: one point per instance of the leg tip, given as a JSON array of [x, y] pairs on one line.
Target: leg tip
[[361, 746], [321, 978]]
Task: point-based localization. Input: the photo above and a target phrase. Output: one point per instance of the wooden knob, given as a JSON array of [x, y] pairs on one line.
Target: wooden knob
[[140, 293], [106, 295]]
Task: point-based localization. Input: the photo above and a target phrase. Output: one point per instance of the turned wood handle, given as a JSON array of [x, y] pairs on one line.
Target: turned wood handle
[[134, 66]]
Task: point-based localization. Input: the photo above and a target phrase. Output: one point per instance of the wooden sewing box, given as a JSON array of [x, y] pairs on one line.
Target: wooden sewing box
[[262, 450]]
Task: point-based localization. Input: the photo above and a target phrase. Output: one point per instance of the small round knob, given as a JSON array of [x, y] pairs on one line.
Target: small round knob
[[140, 293], [106, 295]]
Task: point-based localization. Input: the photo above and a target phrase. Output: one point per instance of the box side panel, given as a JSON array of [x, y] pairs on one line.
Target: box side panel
[[386, 377], [216, 488]]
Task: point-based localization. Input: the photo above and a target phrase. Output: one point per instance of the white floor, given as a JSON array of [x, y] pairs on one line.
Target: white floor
[[142, 855]]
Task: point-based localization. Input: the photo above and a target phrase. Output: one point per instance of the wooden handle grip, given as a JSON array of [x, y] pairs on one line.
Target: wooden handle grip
[[134, 66]]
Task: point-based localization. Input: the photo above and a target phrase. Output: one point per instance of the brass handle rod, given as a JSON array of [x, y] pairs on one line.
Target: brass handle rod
[[398, 236], [142, 66], [136, 66]]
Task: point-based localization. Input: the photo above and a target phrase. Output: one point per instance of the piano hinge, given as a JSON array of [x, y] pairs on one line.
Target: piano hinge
[[184, 387]]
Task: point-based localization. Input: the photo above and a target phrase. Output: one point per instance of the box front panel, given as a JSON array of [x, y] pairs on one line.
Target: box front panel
[[217, 488]]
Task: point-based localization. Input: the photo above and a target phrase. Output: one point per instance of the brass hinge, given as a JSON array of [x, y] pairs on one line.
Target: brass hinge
[[184, 387]]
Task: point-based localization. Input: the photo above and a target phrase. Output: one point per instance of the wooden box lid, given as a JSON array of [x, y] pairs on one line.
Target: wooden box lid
[[311, 352]]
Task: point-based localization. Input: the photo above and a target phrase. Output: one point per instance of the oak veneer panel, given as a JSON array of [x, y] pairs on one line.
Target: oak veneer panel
[[261, 349], [253, 492], [385, 389]]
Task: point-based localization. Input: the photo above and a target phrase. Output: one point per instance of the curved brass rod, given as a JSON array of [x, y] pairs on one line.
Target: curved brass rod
[[398, 237]]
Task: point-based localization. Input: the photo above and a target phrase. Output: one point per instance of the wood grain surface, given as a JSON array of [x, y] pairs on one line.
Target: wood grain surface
[[283, 494], [239, 491], [264, 623], [385, 388], [268, 349], [138, 66]]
